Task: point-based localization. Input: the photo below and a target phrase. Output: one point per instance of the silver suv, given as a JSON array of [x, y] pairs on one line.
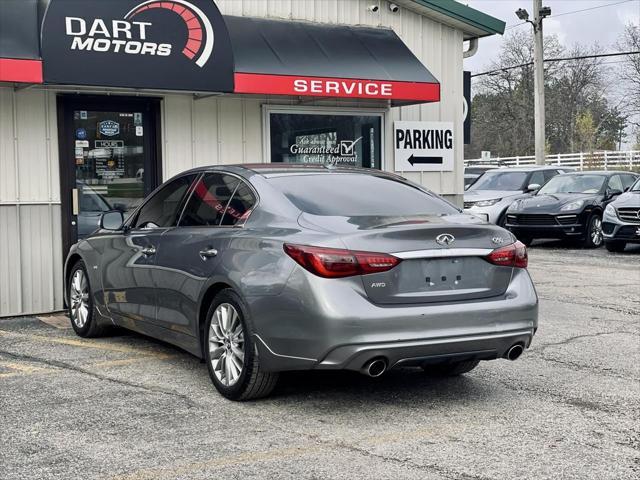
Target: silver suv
[[621, 222], [493, 192]]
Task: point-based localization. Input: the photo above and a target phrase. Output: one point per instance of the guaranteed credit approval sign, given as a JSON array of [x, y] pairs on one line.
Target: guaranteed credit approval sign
[[423, 146]]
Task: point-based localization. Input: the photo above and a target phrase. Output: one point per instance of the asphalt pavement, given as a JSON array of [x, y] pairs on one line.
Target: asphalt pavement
[[128, 407]]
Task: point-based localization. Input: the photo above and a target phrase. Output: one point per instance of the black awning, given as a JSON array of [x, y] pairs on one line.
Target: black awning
[[190, 46], [19, 42], [282, 57]]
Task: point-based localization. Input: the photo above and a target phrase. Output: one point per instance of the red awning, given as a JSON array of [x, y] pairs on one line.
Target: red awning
[[20, 70]]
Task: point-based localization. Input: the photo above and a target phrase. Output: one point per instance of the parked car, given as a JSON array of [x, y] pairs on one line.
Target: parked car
[[621, 223], [491, 194], [472, 173], [260, 269], [569, 207], [469, 178]]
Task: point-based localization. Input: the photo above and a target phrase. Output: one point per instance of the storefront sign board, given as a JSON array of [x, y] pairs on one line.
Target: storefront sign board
[[423, 146]]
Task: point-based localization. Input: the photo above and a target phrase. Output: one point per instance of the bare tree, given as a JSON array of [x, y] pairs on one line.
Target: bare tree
[[629, 72], [502, 109]]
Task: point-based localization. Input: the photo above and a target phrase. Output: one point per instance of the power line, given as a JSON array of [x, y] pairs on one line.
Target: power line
[[576, 11], [564, 59]]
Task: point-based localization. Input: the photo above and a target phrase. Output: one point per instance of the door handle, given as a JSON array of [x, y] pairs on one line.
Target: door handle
[[150, 250], [208, 253], [75, 204]]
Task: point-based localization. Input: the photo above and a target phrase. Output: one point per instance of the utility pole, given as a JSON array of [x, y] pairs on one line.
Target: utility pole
[[538, 83], [540, 13]]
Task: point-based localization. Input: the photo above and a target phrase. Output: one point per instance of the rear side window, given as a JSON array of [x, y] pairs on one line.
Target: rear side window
[[537, 178], [615, 183], [218, 199], [161, 210], [347, 194], [549, 174], [628, 180], [240, 206]]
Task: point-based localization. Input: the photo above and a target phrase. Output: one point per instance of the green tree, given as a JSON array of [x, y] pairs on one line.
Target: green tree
[[585, 132]]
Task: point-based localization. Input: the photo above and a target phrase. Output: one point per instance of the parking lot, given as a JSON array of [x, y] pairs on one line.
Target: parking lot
[[127, 407]]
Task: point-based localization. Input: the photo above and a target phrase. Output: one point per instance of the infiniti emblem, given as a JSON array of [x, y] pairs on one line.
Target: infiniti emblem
[[445, 239]]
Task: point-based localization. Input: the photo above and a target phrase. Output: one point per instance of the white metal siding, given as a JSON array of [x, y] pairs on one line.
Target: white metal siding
[[195, 131], [30, 230], [232, 123]]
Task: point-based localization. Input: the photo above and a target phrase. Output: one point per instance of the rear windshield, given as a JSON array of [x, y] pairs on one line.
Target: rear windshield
[[510, 181], [351, 195]]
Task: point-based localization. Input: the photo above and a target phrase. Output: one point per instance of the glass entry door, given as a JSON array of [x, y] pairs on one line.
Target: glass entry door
[[110, 159]]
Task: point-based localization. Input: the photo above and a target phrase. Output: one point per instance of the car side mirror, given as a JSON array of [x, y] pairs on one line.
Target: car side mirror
[[112, 220], [614, 192], [534, 187]]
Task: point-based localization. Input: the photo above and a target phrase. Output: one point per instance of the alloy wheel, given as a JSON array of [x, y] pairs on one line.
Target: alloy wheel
[[226, 344], [79, 298], [596, 231]]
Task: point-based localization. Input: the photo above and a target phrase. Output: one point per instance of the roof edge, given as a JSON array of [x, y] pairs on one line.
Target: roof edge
[[470, 16]]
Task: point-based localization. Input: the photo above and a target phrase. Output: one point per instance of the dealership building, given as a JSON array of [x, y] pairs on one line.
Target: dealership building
[[101, 101]]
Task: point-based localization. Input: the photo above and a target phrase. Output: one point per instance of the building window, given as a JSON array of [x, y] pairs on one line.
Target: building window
[[308, 137]]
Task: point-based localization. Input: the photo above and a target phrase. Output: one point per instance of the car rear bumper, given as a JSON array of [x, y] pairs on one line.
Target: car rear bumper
[[480, 347], [330, 324]]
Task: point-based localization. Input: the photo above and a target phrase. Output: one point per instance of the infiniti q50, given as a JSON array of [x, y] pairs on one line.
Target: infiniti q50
[[263, 269]]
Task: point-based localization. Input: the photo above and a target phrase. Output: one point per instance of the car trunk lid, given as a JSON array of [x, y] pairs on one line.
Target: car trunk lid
[[443, 258]]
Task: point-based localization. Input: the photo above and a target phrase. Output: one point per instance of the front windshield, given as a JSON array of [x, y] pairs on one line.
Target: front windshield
[[574, 184], [493, 180], [635, 187]]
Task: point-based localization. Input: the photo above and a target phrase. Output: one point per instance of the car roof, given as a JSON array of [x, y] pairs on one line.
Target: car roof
[[525, 169], [605, 173], [281, 169]]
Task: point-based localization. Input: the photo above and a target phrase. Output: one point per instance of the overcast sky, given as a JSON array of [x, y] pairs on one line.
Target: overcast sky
[[603, 25]]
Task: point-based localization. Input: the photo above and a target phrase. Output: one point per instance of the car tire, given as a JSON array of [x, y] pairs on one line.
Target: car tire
[[231, 353], [594, 237], [450, 369], [615, 246], [82, 311]]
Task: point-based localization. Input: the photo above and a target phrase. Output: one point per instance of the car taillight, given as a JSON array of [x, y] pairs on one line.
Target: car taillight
[[514, 255], [338, 263]]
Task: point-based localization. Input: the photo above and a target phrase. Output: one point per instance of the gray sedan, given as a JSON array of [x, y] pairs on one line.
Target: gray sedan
[[266, 268]]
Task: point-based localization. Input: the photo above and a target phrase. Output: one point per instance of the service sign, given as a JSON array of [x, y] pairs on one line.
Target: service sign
[[423, 146], [173, 45]]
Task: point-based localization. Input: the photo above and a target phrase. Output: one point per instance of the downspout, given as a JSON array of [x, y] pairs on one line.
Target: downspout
[[472, 50]]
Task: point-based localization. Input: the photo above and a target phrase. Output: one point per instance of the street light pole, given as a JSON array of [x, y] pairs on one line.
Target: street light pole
[[540, 13], [538, 66]]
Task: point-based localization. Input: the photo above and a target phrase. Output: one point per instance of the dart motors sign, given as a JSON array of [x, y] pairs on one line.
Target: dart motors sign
[[423, 146], [174, 45]]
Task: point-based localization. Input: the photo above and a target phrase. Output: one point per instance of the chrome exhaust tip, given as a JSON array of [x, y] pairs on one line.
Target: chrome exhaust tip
[[374, 368], [514, 352]]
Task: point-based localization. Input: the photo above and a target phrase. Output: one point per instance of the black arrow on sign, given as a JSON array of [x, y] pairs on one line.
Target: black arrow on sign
[[425, 160]]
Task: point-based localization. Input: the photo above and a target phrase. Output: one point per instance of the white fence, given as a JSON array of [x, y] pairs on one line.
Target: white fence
[[605, 160]]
